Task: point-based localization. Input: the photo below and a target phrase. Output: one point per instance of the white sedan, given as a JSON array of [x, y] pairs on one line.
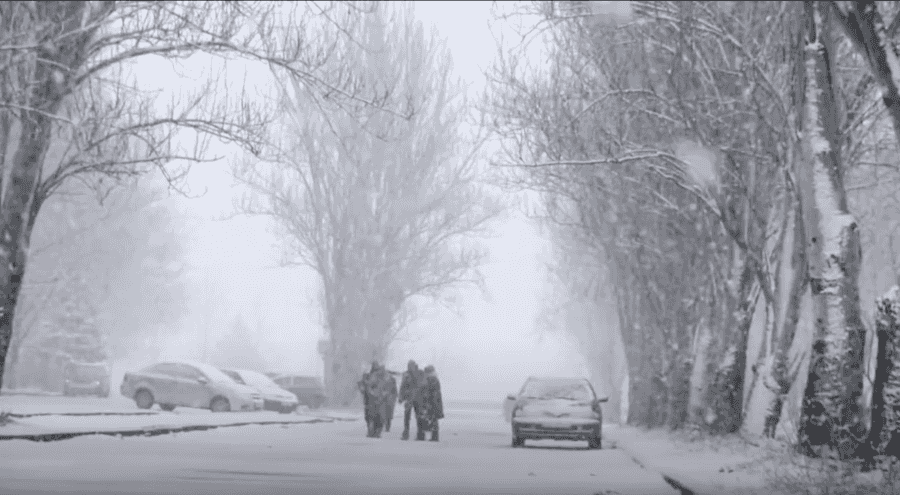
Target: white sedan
[[556, 409], [274, 397]]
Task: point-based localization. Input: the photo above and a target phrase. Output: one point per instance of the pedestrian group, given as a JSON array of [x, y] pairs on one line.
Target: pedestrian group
[[420, 394]]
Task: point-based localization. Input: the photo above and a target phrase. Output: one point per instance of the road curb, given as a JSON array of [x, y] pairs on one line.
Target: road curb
[[111, 413], [151, 431], [672, 481]]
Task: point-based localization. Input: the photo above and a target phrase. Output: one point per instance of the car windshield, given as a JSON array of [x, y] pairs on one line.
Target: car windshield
[[258, 380], [234, 376], [214, 374], [557, 389]]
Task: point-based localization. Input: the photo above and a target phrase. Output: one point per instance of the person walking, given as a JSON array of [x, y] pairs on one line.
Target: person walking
[[362, 385], [378, 388], [391, 401], [432, 405], [408, 396]]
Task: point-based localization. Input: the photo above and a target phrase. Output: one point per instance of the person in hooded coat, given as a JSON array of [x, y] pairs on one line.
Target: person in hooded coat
[[391, 401], [409, 395], [378, 387], [367, 406], [431, 405]]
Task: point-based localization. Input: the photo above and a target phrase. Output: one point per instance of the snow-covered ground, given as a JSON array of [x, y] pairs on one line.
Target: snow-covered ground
[[474, 456], [742, 465], [711, 466]]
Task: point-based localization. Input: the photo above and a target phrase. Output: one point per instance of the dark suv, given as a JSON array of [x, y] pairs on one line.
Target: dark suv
[[309, 389]]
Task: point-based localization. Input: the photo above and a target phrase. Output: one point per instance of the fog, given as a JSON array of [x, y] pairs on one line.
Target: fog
[[485, 347]]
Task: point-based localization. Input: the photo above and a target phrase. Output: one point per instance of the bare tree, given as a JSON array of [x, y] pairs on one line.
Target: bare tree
[[377, 201], [61, 81]]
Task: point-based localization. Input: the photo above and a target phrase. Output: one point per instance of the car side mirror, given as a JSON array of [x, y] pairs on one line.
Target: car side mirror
[[510, 397], [601, 400], [202, 380]]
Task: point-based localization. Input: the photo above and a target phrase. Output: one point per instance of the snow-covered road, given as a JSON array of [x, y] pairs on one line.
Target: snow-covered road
[[473, 457]]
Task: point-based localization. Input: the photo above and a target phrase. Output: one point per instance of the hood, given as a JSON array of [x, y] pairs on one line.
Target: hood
[[556, 408], [277, 392], [242, 389]]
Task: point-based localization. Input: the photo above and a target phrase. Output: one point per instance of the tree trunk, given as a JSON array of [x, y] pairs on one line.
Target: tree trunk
[[679, 390], [729, 378], [698, 401], [53, 67], [784, 375], [832, 399], [886, 386]]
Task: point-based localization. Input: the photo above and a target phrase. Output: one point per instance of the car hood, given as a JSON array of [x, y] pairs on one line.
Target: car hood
[[241, 389], [555, 408], [277, 393]]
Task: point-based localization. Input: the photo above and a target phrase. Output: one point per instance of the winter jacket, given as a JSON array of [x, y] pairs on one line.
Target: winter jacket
[[409, 385]]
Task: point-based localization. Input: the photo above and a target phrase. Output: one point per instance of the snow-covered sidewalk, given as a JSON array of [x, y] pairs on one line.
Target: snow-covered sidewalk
[[704, 466], [57, 427]]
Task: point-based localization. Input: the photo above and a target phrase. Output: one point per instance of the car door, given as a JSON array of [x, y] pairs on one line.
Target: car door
[[195, 387], [163, 382]]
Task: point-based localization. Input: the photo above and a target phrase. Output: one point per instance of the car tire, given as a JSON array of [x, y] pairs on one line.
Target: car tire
[[167, 407], [220, 404], [595, 443], [286, 410], [144, 399], [518, 441]]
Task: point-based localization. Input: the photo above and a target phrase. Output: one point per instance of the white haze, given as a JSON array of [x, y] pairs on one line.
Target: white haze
[[486, 350]]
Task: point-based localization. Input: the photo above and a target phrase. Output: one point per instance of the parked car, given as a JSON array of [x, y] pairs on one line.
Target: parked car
[[556, 409], [86, 378], [309, 390], [188, 384], [274, 397]]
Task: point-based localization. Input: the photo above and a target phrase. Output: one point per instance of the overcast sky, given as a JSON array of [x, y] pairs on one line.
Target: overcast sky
[[492, 347]]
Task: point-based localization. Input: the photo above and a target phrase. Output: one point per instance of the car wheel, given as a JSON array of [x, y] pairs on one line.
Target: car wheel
[[285, 409], [144, 399], [167, 407], [518, 441], [220, 404], [595, 443]]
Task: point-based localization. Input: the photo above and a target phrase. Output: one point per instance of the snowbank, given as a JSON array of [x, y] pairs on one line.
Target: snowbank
[[712, 466], [59, 427]]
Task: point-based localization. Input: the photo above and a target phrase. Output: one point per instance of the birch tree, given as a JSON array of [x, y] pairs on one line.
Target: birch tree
[[377, 202], [833, 394], [691, 97]]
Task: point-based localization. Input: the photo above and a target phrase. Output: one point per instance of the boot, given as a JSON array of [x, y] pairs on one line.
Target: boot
[[420, 435], [405, 435], [434, 434]]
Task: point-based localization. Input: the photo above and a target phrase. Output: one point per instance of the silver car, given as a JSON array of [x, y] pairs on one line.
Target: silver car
[[556, 409], [188, 384], [274, 397]]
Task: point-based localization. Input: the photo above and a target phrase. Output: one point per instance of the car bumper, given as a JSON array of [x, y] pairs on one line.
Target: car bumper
[[89, 388], [556, 428], [279, 405], [244, 404]]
